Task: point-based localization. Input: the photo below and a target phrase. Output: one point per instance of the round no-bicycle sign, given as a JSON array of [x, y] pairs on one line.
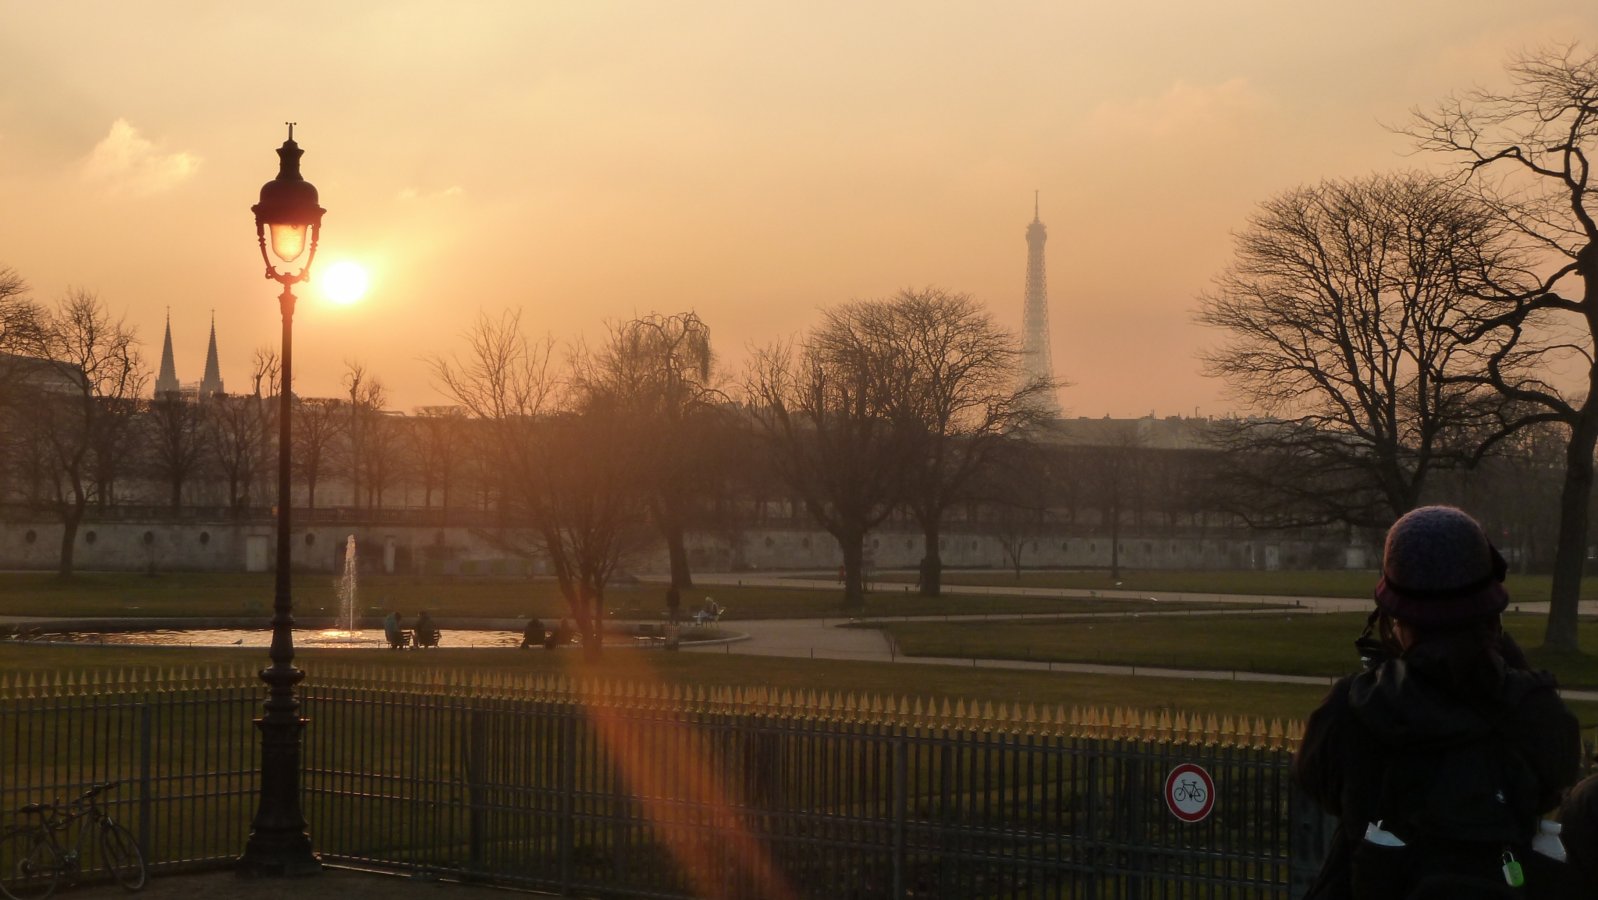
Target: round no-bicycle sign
[[1189, 792]]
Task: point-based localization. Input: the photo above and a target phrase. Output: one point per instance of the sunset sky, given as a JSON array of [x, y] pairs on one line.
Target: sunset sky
[[752, 161]]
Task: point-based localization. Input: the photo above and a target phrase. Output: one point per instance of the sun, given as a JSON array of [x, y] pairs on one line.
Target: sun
[[344, 283]]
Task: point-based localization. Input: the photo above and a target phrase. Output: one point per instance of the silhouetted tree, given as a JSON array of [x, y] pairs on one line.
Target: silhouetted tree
[[369, 441], [1528, 152], [825, 412], [174, 437], [21, 338], [656, 370], [318, 424], [565, 457], [96, 371], [1342, 314], [959, 386], [439, 442], [241, 431]]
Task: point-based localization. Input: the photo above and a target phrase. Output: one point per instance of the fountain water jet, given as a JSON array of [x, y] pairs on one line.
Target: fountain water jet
[[346, 589]]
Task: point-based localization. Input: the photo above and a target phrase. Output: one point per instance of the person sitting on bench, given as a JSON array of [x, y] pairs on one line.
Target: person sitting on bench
[[710, 612], [426, 633], [533, 634], [398, 638]]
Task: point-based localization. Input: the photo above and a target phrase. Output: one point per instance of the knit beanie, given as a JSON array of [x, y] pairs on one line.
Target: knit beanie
[[1438, 568]]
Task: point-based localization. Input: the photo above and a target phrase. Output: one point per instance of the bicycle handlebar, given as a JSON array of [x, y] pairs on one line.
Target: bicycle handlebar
[[48, 809], [97, 789]]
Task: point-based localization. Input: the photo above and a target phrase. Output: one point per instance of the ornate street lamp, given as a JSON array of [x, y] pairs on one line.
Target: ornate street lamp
[[279, 843]]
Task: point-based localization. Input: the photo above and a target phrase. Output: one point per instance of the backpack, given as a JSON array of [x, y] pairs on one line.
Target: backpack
[[1452, 815]]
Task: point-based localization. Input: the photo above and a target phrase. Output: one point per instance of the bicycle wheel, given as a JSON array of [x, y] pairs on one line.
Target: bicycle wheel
[[29, 869], [119, 849]]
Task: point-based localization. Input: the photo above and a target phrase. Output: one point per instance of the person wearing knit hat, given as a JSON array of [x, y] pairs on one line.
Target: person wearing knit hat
[[1443, 754], [1439, 568]]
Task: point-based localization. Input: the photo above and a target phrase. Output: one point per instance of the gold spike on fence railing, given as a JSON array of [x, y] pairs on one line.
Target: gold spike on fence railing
[[806, 704]]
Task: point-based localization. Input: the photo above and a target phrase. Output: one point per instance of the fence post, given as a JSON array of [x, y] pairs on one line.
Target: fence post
[[476, 778], [568, 788], [146, 740], [946, 819], [901, 800]]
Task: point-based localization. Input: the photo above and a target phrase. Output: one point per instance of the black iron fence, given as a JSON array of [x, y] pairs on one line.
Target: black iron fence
[[651, 791]]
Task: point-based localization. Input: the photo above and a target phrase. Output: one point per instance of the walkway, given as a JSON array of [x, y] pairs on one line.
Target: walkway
[[332, 884], [828, 639]]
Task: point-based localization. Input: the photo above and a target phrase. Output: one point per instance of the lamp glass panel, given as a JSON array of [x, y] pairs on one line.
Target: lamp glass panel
[[288, 241]]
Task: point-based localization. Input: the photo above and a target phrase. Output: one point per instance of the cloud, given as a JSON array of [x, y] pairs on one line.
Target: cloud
[[125, 162], [1184, 111], [412, 195]]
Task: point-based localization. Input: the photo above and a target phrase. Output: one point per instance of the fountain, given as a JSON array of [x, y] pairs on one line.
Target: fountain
[[346, 589], [343, 631]]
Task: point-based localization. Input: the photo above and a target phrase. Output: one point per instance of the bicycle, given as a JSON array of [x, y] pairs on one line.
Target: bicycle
[[1188, 791], [33, 861]]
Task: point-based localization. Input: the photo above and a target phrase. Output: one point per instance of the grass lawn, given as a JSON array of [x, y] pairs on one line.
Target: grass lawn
[[899, 679], [1341, 583], [1285, 643], [315, 594]]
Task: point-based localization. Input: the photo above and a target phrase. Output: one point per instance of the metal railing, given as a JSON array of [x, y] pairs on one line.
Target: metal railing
[[647, 790]]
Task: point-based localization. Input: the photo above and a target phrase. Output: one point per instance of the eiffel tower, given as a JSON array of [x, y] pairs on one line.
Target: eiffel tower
[[1036, 360]]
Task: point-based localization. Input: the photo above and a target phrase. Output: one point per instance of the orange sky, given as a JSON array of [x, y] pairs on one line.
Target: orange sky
[[752, 161]]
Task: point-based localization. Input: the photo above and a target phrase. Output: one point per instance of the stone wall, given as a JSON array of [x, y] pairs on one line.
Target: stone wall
[[135, 545]]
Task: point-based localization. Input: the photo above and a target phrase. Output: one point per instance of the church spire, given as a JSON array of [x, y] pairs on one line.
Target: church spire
[[166, 384], [211, 384]]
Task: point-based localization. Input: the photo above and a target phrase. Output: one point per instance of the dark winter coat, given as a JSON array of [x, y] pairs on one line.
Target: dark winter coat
[[1443, 693]]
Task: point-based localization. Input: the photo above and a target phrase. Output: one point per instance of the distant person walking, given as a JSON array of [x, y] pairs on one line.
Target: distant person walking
[[1440, 758]]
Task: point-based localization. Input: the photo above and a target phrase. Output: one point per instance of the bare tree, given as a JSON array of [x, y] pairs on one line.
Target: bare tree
[[657, 371], [1016, 490], [1528, 152], [241, 431], [1114, 472], [21, 339], [96, 370], [318, 423], [960, 386], [22, 321], [439, 439], [825, 413], [1342, 314], [368, 438], [237, 445], [566, 459], [174, 437]]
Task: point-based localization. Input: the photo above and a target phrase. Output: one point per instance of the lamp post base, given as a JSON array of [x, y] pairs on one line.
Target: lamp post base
[[285, 855], [279, 845]]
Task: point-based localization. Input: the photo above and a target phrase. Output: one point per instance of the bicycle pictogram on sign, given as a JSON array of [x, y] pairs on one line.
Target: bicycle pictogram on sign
[[1189, 792]]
